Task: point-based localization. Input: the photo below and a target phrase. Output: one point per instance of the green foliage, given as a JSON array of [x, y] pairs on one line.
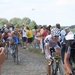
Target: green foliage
[[72, 29], [17, 22], [25, 21], [3, 21], [32, 24]]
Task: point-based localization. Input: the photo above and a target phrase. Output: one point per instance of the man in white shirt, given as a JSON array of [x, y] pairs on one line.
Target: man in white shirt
[[24, 36]]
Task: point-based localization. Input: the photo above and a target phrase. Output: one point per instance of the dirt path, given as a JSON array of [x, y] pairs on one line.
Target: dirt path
[[30, 64]]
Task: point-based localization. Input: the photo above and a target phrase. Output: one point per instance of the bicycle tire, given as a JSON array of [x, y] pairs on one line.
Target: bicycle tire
[[52, 66], [51, 70], [16, 51], [59, 69], [6, 51], [17, 57]]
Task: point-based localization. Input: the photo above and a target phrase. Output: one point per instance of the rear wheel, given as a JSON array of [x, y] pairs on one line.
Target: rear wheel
[[16, 52], [6, 51], [52, 68]]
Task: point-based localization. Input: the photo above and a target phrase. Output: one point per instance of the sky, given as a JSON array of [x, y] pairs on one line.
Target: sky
[[43, 12]]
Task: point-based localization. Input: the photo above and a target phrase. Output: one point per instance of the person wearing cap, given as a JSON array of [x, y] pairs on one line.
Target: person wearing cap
[[51, 41], [68, 41]]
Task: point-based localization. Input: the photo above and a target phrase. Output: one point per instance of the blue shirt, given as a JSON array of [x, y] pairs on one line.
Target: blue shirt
[[15, 38]]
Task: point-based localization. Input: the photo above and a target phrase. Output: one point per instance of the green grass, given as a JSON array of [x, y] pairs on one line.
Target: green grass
[[73, 30]]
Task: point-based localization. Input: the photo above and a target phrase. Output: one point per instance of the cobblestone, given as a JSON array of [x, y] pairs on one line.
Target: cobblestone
[[30, 64]]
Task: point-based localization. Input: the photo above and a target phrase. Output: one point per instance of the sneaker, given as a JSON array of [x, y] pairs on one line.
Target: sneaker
[[24, 47]]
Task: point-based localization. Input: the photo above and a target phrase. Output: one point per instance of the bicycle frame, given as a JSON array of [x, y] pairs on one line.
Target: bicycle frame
[[55, 65], [15, 54]]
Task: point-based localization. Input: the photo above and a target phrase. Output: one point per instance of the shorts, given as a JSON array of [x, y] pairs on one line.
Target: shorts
[[24, 39], [68, 51], [30, 40]]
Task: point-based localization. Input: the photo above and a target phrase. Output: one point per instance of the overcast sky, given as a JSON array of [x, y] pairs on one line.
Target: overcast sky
[[42, 12]]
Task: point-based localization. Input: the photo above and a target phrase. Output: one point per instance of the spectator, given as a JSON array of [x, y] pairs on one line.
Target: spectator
[[24, 36], [34, 31], [44, 33], [58, 26], [29, 37], [49, 29], [38, 38]]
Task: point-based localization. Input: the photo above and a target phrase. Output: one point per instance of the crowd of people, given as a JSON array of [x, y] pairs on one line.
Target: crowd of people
[[44, 38]]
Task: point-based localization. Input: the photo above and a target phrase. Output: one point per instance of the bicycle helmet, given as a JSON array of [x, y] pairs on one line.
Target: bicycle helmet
[[55, 31]]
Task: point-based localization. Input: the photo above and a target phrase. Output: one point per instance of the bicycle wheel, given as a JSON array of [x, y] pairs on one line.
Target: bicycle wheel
[[52, 68], [16, 53], [59, 69], [6, 51]]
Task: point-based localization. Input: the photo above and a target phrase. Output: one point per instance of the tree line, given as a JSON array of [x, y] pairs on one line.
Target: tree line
[[18, 22]]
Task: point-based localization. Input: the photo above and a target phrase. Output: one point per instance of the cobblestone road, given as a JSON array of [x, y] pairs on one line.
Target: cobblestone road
[[30, 64]]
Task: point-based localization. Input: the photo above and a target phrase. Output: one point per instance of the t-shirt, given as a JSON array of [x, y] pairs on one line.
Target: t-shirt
[[50, 41], [44, 34], [29, 33], [24, 32]]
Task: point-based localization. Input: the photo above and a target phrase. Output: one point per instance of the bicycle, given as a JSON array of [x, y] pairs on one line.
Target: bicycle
[[6, 49], [55, 64], [15, 52]]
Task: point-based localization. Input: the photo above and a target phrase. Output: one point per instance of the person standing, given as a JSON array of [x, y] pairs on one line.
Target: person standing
[[29, 37], [24, 36]]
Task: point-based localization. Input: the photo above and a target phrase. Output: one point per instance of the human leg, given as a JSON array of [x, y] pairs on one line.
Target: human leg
[[48, 67], [67, 64], [24, 41]]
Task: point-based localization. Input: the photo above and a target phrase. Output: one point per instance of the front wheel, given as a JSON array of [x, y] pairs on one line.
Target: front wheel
[[52, 68]]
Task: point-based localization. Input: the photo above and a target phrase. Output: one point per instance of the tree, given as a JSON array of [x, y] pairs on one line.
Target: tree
[[3, 21], [15, 21], [32, 24], [25, 21]]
